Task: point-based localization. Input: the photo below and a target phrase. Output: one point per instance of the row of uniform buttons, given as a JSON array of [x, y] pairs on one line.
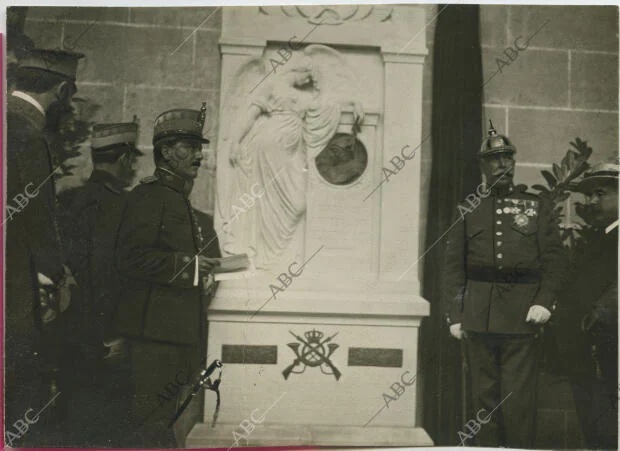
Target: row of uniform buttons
[[499, 233]]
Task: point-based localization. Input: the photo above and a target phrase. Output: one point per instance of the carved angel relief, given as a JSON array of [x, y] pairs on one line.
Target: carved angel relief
[[278, 121]]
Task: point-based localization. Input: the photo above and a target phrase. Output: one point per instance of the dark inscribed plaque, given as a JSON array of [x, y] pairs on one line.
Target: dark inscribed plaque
[[262, 355], [392, 358], [343, 160]]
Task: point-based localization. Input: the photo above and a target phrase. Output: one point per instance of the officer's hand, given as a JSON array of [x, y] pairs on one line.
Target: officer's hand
[[457, 331], [538, 314], [588, 322], [47, 302], [47, 298], [44, 281], [206, 264], [115, 349], [64, 290]]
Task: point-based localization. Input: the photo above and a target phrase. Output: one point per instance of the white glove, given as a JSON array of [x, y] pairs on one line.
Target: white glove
[[46, 299], [456, 331], [64, 290], [116, 348], [44, 281], [538, 314]]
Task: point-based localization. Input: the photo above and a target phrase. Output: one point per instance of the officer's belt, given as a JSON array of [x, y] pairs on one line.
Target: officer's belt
[[505, 275]]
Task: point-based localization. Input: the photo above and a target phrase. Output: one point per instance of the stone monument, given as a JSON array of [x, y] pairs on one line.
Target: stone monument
[[318, 182]]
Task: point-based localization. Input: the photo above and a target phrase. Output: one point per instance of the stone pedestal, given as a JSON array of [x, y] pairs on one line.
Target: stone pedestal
[[351, 308]]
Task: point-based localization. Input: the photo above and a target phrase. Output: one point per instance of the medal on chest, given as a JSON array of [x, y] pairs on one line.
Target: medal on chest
[[521, 221], [524, 212], [199, 237]]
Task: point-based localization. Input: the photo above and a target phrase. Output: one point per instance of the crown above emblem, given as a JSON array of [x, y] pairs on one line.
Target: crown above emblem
[[313, 335]]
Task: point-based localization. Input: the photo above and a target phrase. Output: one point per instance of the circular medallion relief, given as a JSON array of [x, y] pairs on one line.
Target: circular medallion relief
[[343, 160]]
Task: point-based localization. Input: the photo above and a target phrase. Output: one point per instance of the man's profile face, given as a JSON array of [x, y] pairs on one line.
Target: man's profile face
[[184, 158], [498, 169], [603, 201], [128, 163], [63, 104]]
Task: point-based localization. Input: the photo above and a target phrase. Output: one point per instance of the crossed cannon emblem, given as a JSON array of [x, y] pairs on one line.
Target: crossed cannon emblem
[[313, 353]]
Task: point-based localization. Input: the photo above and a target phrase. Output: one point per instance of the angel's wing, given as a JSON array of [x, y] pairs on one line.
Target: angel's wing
[[336, 78], [243, 88]]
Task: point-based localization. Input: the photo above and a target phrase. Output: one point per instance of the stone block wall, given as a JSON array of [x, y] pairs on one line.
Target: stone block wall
[[140, 61]]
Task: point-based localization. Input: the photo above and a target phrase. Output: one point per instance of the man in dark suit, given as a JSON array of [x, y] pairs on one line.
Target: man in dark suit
[[503, 269], [35, 278], [587, 316], [165, 256], [99, 383]]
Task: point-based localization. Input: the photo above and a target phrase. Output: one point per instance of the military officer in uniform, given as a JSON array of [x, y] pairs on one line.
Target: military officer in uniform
[[99, 384], [166, 257], [35, 277], [587, 314], [503, 267]]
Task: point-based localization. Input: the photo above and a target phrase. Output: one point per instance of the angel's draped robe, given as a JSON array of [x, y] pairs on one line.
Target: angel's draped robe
[[274, 159]]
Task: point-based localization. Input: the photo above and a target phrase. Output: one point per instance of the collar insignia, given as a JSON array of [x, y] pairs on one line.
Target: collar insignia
[[149, 179]]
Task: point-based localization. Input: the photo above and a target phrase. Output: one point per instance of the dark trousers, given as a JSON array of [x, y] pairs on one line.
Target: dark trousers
[[27, 389], [32, 384], [161, 374], [596, 398], [100, 398], [504, 377]]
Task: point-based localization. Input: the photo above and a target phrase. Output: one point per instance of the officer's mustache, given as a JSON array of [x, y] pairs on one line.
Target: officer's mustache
[[505, 172]]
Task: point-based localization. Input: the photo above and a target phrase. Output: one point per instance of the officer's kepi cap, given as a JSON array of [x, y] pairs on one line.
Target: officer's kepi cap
[[59, 62], [601, 173], [181, 124], [109, 137]]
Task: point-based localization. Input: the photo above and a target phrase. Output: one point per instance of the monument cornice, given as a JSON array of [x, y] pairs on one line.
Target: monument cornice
[[414, 56], [242, 46], [338, 309]]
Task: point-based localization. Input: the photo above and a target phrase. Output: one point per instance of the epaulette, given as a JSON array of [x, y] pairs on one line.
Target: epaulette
[[520, 188], [149, 179], [112, 188], [523, 190]]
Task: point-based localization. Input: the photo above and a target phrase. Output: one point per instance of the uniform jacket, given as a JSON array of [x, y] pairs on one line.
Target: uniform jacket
[[91, 216], [504, 256], [158, 240], [32, 241], [592, 288]]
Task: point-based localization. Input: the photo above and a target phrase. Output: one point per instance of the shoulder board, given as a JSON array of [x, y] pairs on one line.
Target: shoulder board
[[523, 190], [112, 188], [149, 179]]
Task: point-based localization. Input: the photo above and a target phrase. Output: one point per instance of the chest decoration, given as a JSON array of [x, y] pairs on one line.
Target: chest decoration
[[524, 212], [521, 206], [521, 221], [198, 230]]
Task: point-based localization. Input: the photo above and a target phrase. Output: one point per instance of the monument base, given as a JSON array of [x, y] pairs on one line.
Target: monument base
[[314, 368], [204, 436]]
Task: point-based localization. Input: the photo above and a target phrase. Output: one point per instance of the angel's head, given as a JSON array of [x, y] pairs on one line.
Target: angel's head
[[304, 74]]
